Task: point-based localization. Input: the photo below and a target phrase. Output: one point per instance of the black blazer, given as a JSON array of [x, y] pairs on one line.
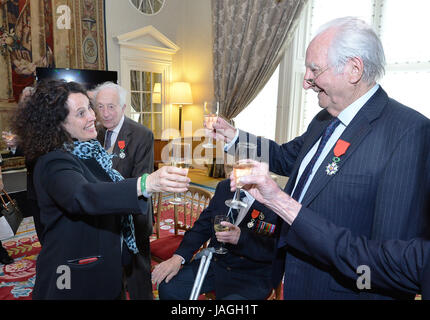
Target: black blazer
[[393, 264], [139, 159], [246, 268], [381, 190], [80, 210]]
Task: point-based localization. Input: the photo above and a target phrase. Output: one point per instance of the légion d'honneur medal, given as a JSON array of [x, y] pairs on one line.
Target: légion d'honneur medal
[[254, 215], [121, 145], [339, 150]]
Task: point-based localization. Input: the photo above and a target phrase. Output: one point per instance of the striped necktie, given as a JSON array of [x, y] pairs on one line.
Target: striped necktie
[[306, 173], [308, 170]]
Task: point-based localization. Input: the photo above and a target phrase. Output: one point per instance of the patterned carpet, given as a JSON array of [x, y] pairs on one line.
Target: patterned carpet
[[17, 279]]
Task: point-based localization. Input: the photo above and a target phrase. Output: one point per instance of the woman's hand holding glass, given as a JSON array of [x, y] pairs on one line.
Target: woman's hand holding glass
[[168, 179], [180, 157]]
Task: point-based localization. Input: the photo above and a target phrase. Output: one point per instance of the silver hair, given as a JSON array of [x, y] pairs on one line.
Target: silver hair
[[122, 93], [355, 38]]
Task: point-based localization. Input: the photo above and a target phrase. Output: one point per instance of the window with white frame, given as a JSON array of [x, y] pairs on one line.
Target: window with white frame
[[146, 106], [259, 117], [400, 25]]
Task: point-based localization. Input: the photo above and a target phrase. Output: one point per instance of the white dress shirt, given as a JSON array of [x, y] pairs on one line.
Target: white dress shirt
[[249, 200], [115, 133], [345, 118]]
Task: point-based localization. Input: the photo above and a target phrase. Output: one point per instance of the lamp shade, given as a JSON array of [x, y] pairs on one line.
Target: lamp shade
[[180, 93]]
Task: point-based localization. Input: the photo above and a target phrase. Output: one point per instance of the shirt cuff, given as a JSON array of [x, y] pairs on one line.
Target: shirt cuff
[[232, 142], [183, 260]]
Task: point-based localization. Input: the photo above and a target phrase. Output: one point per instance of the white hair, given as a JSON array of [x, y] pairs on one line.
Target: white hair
[[122, 93], [355, 38]]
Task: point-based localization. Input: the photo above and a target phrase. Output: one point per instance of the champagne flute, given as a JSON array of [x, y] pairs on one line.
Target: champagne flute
[[180, 157], [218, 227], [210, 115], [242, 167]]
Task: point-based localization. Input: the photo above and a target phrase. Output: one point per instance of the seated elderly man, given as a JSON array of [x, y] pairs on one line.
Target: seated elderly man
[[244, 272]]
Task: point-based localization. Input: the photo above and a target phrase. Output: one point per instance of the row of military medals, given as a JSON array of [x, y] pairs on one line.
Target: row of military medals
[[254, 215]]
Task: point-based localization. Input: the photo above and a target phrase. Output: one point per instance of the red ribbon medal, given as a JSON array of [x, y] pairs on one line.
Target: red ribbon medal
[[255, 214], [121, 145], [340, 148]]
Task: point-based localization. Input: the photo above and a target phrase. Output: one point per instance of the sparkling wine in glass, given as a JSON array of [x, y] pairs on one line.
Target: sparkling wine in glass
[[242, 167], [210, 114], [218, 227], [180, 157]]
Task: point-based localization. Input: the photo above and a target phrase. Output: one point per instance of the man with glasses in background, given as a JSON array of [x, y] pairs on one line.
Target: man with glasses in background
[[133, 146]]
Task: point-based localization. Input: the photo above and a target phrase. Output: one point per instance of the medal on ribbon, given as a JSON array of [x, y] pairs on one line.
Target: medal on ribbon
[[121, 145], [265, 228], [339, 150], [254, 215]]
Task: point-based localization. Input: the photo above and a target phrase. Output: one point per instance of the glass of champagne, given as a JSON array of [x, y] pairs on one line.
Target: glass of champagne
[[242, 167], [218, 227], [180, 157], [210, 115]]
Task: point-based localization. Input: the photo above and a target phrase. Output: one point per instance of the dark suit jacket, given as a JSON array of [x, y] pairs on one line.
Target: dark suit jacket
[[81, 214], [381, 190], [393, 264], [139, 150], [246, 268]]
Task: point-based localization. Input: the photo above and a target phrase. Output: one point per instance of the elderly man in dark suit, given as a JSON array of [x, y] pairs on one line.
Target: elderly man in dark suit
[[362, 163], [244, 272], [398, 265], [133, 147]]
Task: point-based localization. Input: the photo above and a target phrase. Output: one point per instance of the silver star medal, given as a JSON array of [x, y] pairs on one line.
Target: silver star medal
[[332, 168]]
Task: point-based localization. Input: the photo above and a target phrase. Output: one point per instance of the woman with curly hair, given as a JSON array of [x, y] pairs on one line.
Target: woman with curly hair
[[85, 205]]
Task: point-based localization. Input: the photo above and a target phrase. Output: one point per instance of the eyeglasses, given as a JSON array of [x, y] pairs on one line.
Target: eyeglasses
[[311, 81]]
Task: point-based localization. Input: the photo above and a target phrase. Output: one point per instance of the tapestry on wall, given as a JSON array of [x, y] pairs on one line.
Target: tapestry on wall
[[48, 33]]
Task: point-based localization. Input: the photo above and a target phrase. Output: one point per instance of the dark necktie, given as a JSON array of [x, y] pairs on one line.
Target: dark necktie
[[306, 173], [108, 139], [308, 170]]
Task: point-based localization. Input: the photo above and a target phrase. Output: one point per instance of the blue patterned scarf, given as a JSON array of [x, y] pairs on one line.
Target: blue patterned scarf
[[93, 149]]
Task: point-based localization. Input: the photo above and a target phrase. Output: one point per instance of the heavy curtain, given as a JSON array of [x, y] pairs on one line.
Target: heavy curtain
[[249, 39]]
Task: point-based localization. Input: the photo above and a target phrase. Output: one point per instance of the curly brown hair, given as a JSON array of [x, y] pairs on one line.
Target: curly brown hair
[[39, 118]]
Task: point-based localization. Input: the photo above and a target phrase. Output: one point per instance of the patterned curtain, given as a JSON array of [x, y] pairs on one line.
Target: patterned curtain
[[249, 39]]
